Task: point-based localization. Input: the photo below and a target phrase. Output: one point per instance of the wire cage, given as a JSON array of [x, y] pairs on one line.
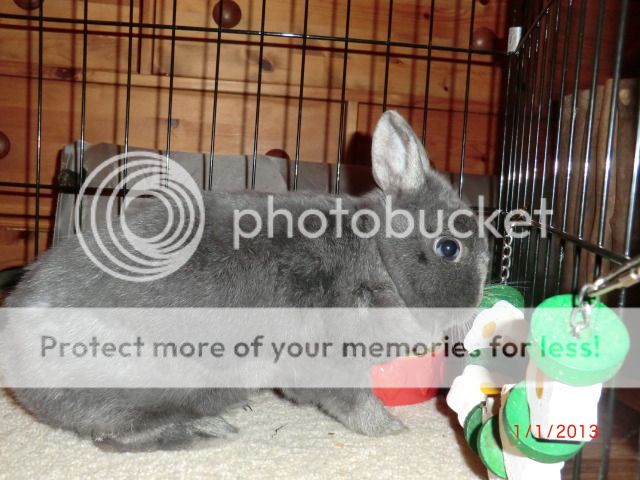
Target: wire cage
[[571, 140], [559, 125], [552, 108]]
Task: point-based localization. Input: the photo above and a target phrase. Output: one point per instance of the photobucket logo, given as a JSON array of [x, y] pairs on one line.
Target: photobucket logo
[[173, 231], [395, 222]]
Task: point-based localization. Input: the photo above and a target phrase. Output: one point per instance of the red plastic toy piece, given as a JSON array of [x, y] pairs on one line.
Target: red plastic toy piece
[[427, 370]]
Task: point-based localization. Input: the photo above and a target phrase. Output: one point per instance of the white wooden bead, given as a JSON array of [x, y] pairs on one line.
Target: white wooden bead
[[502, 319], [559, 411], [471, 388]]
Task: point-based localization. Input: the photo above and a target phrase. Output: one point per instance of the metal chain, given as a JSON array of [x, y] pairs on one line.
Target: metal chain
[[507, 251]]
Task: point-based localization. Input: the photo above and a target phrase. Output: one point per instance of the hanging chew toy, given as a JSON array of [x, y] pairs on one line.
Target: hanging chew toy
[[601, 341], [571, 358], [545, 419], [473, 395]]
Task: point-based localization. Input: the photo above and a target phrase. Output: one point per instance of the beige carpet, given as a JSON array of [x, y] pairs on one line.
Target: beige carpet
[[278, 440]]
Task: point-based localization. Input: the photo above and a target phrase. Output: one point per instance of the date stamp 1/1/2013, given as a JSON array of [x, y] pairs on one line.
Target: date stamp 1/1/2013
[[558, 431]]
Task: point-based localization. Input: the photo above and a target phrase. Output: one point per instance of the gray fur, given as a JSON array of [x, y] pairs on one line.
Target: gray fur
[[264, 272]]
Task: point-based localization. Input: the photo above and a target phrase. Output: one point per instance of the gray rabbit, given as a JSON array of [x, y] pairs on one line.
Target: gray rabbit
[[267, 271]]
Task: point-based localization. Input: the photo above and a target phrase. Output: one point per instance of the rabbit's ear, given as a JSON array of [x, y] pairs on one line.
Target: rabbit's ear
[[399, 160]]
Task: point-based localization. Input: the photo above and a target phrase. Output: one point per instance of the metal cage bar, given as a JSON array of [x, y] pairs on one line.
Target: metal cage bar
[[83, 101], [343, 89], [296, 164], [425, 113], [214, 108], [254, 159], [127, 108], [172, 61], [467, 87], [604, 194], [40, 17], [387, 56]]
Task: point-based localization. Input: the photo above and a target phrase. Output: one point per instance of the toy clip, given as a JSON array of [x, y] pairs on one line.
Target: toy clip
[[624, 277]]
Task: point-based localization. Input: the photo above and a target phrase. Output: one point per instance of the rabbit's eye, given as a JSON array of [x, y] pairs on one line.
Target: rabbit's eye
[[447, 248]]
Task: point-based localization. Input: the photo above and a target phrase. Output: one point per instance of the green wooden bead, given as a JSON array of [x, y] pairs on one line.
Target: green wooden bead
[[593, 357], [472, 425], [489, 447], [518, 426], [495, 292]]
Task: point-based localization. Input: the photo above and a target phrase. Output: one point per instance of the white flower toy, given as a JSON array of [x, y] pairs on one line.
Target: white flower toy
[[501, 320], [471, 388]]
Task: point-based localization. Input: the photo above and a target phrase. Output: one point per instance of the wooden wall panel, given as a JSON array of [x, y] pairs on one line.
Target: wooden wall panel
[[240, 58], [369, 18], [365, 73], [17, 246], [63, 42], [192, 113]]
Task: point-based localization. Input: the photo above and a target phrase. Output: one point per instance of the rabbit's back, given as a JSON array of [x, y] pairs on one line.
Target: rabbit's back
[[264, 271]]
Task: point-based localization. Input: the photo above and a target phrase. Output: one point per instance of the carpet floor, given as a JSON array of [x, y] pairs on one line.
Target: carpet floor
[[277, 440]]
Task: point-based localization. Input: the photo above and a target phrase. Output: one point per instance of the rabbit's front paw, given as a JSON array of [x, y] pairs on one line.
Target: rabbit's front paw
[[370, 417], [357, 409]]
